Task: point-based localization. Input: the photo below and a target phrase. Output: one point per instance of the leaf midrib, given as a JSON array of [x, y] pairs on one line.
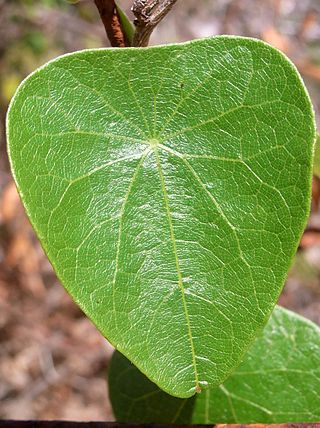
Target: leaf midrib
[[180, 279], [142, 158]]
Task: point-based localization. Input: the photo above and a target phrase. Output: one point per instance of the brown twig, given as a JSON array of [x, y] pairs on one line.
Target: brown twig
[[148, 14], [112, 23]]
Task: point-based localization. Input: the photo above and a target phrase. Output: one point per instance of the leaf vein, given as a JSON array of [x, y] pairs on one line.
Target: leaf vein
[[180, 279], [121, 215]]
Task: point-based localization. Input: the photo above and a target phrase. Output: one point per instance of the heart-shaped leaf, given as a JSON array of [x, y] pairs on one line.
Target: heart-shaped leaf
[[278, 381], [169, 187]]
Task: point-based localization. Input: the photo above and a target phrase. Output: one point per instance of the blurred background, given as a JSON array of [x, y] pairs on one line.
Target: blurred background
[[53, 362]]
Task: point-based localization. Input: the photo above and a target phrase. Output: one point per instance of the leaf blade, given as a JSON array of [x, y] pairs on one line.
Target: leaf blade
[[81, 146]]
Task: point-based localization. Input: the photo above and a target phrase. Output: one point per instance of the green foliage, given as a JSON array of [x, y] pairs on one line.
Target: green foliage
[[127, 26], [169, 187], [278, 381], [316, 162]]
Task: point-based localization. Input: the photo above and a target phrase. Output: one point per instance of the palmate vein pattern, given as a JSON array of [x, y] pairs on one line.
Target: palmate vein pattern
[[169, 187]]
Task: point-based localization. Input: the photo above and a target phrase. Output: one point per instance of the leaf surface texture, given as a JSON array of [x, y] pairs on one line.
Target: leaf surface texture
[[278, 382], [169, 187]]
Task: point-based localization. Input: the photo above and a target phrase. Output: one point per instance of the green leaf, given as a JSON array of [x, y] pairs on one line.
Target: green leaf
[[316, 162], [126, 24], [278, 381], [169, 187]]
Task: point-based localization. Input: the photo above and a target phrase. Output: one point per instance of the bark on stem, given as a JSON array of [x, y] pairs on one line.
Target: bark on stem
[[148, 14], [112, 23]]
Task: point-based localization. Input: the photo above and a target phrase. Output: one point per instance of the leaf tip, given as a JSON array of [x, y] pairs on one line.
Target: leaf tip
[[198, 389]]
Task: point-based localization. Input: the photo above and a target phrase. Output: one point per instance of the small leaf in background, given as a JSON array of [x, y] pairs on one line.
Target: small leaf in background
[[169, 187], [126, 24], [9, 84], [278, 381], [316, 162]]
